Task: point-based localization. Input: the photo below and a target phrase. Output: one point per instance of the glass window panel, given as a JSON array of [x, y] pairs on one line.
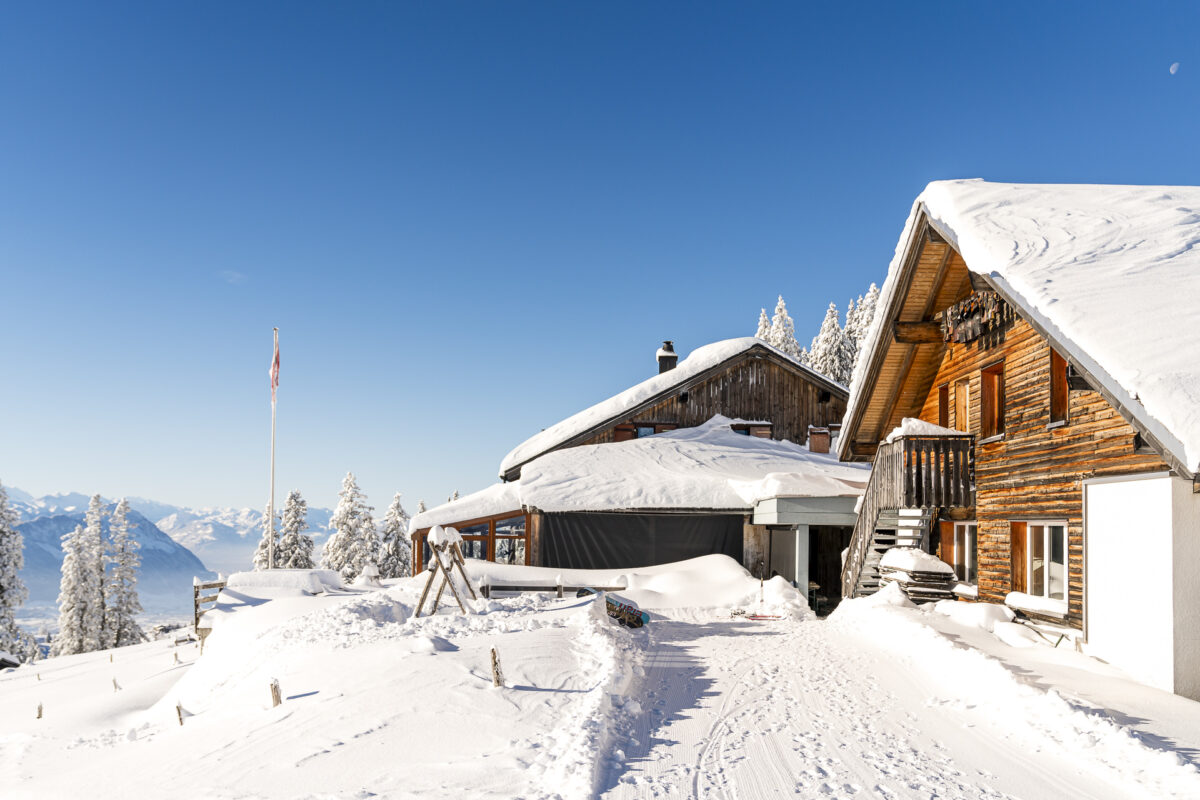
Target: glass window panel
[[475, 548], [1037, 560], [960, 551], [972, 554], [427, 551], [510, 550], [475, 530], [644, 430], [513, 526], [1057, 574]]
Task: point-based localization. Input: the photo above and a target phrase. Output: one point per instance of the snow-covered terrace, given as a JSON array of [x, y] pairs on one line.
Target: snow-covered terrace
[[1110, 273]]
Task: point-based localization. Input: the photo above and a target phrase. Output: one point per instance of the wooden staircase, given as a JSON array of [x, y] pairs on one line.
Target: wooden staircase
[[911, 479]]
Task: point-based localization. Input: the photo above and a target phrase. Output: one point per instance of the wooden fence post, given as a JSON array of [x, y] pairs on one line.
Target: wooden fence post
[[276, 697], [497, 675]]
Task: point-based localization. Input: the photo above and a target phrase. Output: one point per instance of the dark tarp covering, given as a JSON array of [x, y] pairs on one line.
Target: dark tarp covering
[[615, 541]]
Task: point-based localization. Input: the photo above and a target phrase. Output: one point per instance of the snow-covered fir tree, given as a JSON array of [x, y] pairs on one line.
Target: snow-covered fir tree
[[783, 331], [121, 600], [395, 555], [421, 507], [270, 534], [81, 589], [12, 590], [830, 352], [864, 316], [355, 542], [764, 326], [295, 548]]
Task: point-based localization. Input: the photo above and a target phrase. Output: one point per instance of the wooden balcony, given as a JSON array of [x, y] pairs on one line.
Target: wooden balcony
[[925, 472]]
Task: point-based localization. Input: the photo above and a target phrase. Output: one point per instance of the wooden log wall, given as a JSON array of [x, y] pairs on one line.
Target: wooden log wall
[[1035, 471], [753, 389]]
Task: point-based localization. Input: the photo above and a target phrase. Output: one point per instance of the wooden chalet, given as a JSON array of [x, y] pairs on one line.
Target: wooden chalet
[[1035, 331], [765, 394]]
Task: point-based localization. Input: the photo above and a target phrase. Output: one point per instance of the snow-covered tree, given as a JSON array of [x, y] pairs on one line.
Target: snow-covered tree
[[395, 555], [262, 553], [295, 548], [421, 507], [783, 331], [764, 326], [830, 353], [121, 600], [355, 542], [12, 590], [81, 589]]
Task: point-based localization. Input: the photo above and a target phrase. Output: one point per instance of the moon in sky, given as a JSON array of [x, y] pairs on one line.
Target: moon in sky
[[1175, 68]]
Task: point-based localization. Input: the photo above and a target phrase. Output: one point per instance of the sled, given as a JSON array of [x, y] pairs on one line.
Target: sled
[[624, 613]]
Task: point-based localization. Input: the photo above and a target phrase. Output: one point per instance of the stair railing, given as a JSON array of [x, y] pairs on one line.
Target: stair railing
[[910, 472]]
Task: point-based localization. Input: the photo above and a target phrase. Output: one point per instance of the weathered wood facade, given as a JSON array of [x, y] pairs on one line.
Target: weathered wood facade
[[1039, 433], [756, 385]]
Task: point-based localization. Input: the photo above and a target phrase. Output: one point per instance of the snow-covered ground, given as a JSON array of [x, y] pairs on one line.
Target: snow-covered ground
[[880, 700]]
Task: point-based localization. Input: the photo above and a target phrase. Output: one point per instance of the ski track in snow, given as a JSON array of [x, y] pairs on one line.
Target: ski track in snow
[[799, 709]]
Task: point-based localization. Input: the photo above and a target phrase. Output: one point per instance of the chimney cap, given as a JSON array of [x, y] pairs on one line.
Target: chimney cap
[[668, 348]]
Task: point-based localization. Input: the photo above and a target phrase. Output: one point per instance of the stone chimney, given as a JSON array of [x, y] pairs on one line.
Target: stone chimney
[[818, 439], [666, 357]]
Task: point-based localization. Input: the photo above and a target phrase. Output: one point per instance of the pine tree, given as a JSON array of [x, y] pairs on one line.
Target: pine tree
[[783, 331], [81, 590], [295, 549], [122, 605], [830, 352], [864, 317], [395, 557], [262, 553], [764, 326], [355, 542], [12, 590], [421, 507]]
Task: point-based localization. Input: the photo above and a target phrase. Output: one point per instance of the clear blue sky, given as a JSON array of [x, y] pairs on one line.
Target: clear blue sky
[[470, 220]]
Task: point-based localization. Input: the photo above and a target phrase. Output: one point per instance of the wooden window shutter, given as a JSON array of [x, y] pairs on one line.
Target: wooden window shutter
[[1018, 535], [623, 433], [946, 545], [944, 405], [1058, 387]]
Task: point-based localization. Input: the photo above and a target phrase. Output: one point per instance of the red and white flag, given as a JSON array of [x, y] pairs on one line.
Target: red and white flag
[[274, 371]]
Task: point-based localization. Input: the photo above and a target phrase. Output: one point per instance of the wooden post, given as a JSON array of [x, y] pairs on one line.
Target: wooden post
[[276, 697], [116, 686], [39, 716], [179, 713], [497, 675]]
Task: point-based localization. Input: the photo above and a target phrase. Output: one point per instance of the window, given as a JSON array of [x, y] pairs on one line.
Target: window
[[944, 405], [642, 431], [966, 551], [475, 541], [1058, 388], [962, 405], [991, 407], [510, 540], [1039, 559]]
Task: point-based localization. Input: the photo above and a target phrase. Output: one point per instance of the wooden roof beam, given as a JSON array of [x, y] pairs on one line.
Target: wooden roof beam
[[917, 332]]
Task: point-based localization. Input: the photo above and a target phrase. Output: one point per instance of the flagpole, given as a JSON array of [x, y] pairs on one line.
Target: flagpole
[[271, 501]]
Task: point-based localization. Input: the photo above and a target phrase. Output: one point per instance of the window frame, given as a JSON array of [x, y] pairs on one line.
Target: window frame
[[1047, 550], [970, 564]]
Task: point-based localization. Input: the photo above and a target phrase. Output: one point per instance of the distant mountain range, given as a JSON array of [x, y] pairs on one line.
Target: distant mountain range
[[223, 539]]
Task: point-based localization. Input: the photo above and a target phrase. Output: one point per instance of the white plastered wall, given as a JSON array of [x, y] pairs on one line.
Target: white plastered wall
[[1185, 509], [1130, 577]]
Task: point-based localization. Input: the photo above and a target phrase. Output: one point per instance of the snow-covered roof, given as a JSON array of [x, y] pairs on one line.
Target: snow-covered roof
[[495, 499], [622, 405], [1112, 273], [705, 467]]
